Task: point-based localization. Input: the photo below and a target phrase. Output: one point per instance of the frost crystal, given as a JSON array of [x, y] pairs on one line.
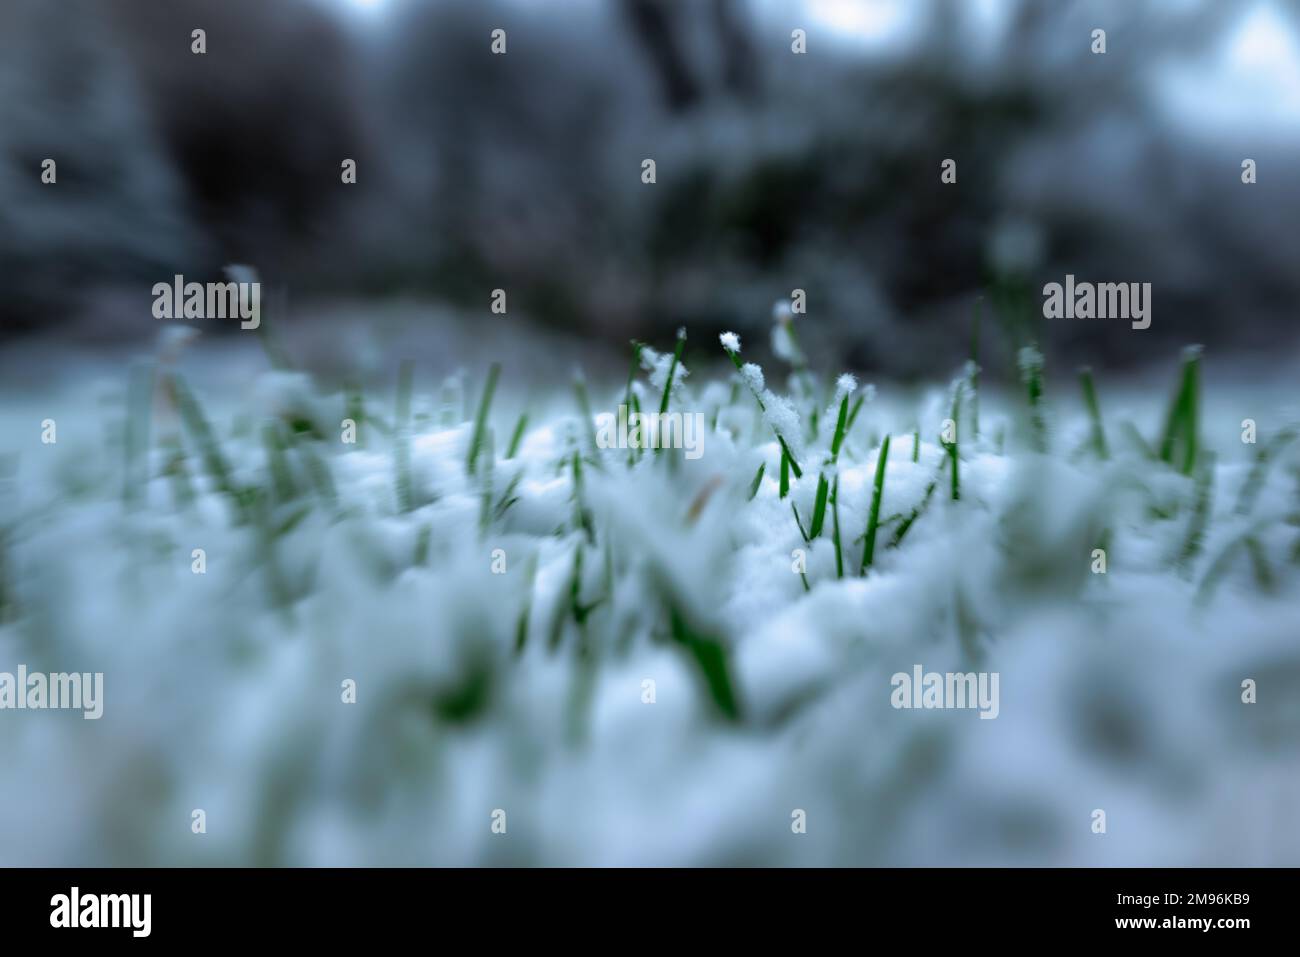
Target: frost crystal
[[1030, 361], [780, 414], [753, 377], [657, 364], [730, 341]]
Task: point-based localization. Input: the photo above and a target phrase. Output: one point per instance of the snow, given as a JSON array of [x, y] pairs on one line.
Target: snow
[[780, 413], [658, 364], [1119, 691], [753, 376]]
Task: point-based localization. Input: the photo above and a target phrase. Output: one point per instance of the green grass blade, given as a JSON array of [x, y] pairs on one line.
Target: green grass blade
[[480, 420], [214, 462], [1182, 425], [799, 522], [319, 472], [853, 413], [710, 657], [907, 523], [835, 528], [277, 461], [517, 436], [135, 438], [402, 430], [1259, 564], [1098, 437], [841, 428], [1200, 519], [668, 382], [819, 507], [975, 369], [521, 627], [584, 406], [873, 517], [1264, 455], [794, 465]]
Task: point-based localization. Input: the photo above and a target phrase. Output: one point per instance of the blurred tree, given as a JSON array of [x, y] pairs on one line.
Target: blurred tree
[[655, 26]]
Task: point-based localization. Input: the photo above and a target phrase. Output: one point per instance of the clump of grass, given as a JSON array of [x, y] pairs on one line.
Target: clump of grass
[[845, 387], [287, 480]]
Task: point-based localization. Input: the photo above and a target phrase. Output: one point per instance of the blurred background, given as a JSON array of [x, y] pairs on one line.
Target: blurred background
[[774, 170]]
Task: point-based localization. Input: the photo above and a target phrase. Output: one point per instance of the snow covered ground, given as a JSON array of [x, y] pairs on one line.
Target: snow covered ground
[[616, 648]]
